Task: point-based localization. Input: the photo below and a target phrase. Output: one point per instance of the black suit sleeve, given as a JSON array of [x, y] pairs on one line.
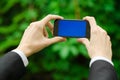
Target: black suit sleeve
[[102, 70], [11, 67]]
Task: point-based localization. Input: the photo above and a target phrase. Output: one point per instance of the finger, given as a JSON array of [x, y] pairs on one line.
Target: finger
[[56, 39], [91, 19], [109, 41], [102, 30], [84, 41], [50, 17], [92, 22], [50, 25], [108, 37], [45, 32]]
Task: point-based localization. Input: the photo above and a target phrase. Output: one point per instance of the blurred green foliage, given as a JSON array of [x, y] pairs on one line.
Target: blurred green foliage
[[62, 61]]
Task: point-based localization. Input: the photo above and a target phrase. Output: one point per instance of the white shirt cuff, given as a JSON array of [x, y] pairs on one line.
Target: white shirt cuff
[[100, 58], [22, 55]]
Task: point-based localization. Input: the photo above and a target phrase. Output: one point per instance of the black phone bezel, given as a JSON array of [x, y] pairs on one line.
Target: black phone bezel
[[55, 31], [88, 30]]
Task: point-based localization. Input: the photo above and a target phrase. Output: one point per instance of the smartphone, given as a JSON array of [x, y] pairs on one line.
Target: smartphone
[[72, 28]]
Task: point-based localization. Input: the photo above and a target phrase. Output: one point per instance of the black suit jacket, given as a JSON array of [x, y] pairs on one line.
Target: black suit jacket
[[102, 70], [12, 68]]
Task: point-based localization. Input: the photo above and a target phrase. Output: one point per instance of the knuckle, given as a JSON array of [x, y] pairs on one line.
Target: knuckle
[[35, 25], [32, 24], [104, 32], [95, 31], [86, 17], [92, 18], [110, 43], [108, 37], [89, 17], [49, 15], [98, 26]]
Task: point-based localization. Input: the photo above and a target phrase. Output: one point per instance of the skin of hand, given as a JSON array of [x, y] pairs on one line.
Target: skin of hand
[[99, 43], [35, 37]]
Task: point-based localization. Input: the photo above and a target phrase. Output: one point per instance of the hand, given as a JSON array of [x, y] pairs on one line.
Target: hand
[[99, 44], [35, 37]]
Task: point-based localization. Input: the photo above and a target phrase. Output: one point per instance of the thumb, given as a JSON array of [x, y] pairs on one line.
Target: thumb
[[56, 39], [84, 41]]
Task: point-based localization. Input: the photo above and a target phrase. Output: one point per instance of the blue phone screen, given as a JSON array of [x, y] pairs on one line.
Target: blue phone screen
[[72, 28]]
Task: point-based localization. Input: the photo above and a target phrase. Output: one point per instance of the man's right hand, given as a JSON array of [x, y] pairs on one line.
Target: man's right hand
[[99, 44]]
